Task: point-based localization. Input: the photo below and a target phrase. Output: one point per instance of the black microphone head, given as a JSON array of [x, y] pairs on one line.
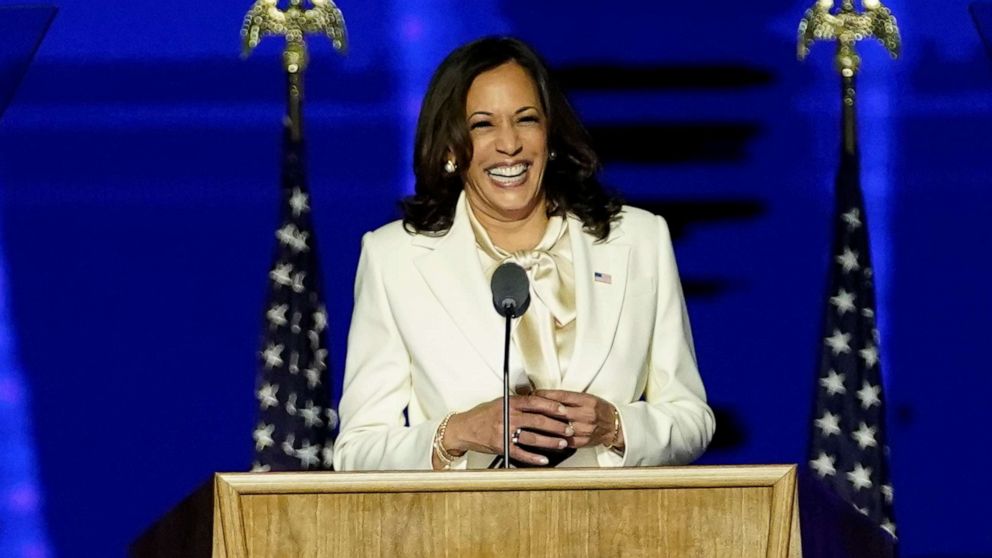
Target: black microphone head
[[511, 290]]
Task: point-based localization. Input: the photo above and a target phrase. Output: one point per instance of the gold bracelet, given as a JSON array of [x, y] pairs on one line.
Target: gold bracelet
[[446, 458], [616, 430]]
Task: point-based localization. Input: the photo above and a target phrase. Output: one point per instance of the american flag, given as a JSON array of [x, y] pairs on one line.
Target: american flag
[[847, 449], [296, 422]]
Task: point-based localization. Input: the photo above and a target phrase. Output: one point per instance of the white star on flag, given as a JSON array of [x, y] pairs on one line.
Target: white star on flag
[[887, 493], [860, 477], [257, 467], [870, 355], [824, 465], [313, 377], [834, 383], [868, 394], [839, 342], [280, 274], [320, 356], [828, 424], [272, 356], [868, 312], [298, 201], [293, 237], [307, 454], [852, 219], [291, 404], [332, 418], [277, 315], [849, 260], [263, 436], [311, 415], [267, 395], [320, 320], [890, 527], [865, 436], [327, 455], [844, 301], [287, 444], [297, 281]]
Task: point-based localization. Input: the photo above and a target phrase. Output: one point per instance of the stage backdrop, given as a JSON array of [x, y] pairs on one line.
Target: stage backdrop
[[139, 180]]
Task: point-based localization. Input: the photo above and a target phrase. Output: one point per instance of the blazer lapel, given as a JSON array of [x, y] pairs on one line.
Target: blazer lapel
[[454, 275], [597, 301]]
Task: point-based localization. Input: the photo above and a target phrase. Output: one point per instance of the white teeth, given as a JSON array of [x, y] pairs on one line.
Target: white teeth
[[509, 172]]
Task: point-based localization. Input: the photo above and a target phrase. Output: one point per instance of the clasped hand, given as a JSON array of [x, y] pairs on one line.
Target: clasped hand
[[548, 419]]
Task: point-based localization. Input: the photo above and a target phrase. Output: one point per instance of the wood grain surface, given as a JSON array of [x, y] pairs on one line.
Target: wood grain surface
[[737, 511]]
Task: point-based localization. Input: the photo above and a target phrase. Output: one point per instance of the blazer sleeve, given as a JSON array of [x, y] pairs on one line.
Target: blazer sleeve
[[377, 382], [673, 424]]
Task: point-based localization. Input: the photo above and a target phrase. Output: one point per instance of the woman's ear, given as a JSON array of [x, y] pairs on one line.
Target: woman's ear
[[451, 162]]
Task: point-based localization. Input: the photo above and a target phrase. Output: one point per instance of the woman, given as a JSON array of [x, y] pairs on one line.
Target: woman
[[603, 358]]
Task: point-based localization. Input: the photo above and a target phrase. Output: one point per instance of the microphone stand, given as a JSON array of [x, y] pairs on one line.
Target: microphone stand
[[506, 390], [503, 461]]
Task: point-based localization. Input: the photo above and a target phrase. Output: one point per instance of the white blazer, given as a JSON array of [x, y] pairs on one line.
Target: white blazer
[[425, 341]]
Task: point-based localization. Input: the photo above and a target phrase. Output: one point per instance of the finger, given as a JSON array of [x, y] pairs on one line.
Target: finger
[[520, 454], [577, 415], [536, 404], [583, 428], [533, 439], [570, 398], [544, 424]]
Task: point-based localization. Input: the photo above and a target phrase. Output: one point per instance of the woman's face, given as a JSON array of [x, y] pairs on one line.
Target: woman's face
[[509, 144]]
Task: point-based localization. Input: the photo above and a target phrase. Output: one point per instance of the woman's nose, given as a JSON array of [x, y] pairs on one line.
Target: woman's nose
[[508, 142]]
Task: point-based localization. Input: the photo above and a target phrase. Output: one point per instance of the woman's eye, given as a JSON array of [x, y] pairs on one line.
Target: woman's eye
[[480, 124], [529, 119]]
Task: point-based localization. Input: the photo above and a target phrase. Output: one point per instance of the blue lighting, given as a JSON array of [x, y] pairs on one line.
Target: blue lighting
[[22, 527]]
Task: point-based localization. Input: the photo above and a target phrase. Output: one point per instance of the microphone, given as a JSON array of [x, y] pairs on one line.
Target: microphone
[[511, 290], [511, 297]]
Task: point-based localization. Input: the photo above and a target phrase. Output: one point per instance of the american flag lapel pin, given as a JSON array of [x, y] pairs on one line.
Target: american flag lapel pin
[[602, 278]]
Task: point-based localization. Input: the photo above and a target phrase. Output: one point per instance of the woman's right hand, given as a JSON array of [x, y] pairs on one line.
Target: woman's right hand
[[480, 429]]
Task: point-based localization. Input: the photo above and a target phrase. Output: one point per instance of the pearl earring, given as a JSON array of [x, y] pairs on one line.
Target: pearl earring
[[553, 155], [450, 167]]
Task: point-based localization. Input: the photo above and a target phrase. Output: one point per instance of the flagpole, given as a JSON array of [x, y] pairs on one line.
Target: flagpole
[[848, 98], [847, 450], [296, 424]]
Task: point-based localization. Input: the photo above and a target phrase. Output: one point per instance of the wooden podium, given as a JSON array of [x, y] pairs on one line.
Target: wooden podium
[[729, 511]]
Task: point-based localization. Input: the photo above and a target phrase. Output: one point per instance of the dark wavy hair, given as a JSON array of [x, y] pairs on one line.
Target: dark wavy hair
[[570, 183]]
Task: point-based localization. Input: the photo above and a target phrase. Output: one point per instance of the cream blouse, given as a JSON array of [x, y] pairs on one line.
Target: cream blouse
[[544, 338]]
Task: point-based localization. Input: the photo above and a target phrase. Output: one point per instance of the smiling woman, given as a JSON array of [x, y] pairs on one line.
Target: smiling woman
[[509, 154], [604, 365]]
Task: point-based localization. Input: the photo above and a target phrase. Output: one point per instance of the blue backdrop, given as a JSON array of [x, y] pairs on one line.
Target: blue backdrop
[[139, 179]]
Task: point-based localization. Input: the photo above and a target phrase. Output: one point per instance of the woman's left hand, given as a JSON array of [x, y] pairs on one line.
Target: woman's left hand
[[592, 418]]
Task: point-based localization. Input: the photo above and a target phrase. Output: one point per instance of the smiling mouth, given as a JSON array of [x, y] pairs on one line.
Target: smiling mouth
[[508, 175]]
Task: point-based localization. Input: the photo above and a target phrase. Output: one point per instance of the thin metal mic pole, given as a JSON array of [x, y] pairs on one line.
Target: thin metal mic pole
[[506, 392]]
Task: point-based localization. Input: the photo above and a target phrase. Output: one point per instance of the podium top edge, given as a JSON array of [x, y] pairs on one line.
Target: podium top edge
[[725, 476]]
